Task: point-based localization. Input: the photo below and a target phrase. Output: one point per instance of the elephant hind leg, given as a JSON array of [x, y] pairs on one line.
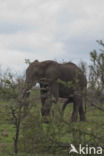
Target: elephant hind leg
[[82, 113], [69, 100], [76, 105]]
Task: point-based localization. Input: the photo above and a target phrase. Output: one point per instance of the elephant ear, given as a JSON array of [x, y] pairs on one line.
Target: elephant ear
[[33, 64], [52, 73], [36, 61]]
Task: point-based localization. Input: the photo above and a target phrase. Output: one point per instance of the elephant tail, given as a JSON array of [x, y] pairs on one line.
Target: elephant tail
[[85, 106], [85, 100]]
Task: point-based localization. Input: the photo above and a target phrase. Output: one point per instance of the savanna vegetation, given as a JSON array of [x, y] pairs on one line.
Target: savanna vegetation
[[23, 131]]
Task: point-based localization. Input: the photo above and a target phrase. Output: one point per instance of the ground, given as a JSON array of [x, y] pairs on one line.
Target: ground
[[59, 132]]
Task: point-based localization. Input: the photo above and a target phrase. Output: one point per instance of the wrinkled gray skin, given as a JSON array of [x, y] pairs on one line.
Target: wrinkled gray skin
[[53, 71]]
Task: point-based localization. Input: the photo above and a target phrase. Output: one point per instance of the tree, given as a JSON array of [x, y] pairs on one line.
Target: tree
[[96, 75]]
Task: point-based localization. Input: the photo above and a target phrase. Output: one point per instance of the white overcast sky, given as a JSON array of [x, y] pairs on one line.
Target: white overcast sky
[[49, 29]]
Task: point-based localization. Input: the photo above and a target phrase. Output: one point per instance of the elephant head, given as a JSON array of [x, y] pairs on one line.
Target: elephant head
[[36, 72], [32, 77]]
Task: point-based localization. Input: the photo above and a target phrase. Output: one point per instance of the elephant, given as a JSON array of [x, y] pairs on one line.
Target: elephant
[[63, 80]]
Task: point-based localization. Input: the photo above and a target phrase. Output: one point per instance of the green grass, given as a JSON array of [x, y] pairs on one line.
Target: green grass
[[94, 125]]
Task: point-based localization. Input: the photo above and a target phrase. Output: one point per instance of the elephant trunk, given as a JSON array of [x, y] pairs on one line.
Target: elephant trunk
[[27, 90]]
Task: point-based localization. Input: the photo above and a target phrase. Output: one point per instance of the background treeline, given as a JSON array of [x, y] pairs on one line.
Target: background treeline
[[22, 129]]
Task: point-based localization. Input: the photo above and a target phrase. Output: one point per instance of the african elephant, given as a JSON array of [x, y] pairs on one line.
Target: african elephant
[[64, 80]]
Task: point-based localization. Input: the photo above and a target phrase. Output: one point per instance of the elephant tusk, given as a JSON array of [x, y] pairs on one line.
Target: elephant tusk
[[28, 91]]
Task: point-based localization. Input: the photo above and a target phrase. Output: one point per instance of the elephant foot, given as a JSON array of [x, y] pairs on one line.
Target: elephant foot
[[74, 118], [46, 120], [82, 118]]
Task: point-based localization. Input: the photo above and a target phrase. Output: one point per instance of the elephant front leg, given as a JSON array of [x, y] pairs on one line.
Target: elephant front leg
[[45, 109], [46, 101], [43, 99], [55, 92]]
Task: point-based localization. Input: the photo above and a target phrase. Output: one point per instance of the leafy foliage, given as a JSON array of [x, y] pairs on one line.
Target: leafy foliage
[[23, 130]]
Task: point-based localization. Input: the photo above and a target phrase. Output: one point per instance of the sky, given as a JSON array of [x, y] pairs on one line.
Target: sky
[[49, 29]]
